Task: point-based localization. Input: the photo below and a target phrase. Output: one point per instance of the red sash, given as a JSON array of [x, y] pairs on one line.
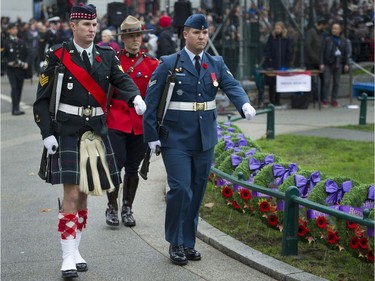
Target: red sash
[[84, 78]]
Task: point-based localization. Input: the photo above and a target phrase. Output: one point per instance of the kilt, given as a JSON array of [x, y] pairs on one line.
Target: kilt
[[64, 166]]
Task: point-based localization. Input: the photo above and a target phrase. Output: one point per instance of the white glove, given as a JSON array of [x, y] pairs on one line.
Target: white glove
[[139, 105], [153, 144], [248, 111], [50, 143]]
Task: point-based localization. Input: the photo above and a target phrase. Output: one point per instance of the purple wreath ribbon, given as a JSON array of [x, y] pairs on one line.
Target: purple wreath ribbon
[[335, 192], [282, 173], [227, 137], [250, 152], [370, 194], [220, 182], [306, 185], [370, 231], [255, 164], [227, 124], [237, 149], [228, 144], [236, 160], [231, 130], [242, 142]]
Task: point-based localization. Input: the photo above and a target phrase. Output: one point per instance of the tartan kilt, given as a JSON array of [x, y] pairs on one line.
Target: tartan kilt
[[64, 168]]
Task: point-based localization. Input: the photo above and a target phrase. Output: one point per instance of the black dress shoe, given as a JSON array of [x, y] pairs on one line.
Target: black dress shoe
[[71, 273], [192, 255], [18, 112], [111, 216], [177, 255], [82, 267]]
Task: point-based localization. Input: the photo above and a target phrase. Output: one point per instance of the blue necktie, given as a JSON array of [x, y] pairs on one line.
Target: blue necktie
[[197, 64]]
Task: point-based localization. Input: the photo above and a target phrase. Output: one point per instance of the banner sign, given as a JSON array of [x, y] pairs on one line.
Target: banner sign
[[293, 82]]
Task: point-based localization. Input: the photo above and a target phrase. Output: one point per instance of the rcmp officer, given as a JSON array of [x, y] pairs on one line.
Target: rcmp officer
[[15, 55], [79, 128], [125, 126], [191, 122]]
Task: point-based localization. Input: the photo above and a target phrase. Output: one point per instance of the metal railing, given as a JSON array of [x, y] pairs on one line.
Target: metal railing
[[292, 202], [270, 111], [363, 108]]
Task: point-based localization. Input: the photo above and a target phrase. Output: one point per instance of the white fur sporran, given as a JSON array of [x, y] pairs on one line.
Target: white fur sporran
[[94, 173]]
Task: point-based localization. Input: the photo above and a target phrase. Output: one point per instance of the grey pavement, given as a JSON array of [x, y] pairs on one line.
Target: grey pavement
[[30, 248]]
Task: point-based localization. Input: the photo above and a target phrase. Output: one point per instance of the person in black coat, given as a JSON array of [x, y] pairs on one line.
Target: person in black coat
[[15, 55], [166, 44], [278, 55], [78, 127], [335, 57], [314, 39]]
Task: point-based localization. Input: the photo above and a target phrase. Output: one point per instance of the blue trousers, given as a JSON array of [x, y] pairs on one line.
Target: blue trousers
[[187, 172]]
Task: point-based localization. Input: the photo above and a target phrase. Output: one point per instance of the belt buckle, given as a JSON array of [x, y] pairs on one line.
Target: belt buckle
[[87, 112], [200, 106]]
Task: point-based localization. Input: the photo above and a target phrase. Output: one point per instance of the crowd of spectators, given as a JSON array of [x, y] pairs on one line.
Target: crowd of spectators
[[359, 24]]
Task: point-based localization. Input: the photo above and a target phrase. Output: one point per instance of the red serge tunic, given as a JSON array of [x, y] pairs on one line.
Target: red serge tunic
[[121, 117]]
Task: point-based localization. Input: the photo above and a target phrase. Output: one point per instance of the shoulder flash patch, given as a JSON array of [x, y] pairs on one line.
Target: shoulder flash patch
[[43, 80]]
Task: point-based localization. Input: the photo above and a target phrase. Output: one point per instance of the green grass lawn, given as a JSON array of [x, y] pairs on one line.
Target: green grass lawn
[[332, 157]]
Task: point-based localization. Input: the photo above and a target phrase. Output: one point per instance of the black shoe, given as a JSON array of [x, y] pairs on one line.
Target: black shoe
[[82, 267], [127, 216], [18, 112], [192, 255], [177, 255], [71, 273], [111, 216]]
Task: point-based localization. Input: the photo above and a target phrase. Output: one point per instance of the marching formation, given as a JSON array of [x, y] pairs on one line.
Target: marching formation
[[99, 111]]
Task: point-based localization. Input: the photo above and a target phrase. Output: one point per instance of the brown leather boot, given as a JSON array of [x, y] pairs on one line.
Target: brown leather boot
[[130, 189]]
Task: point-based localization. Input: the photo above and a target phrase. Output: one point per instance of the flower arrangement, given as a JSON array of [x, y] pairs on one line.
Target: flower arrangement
[[267, 170]]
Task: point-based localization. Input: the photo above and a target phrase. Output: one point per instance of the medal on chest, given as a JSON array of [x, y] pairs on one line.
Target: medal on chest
[[214, 79]]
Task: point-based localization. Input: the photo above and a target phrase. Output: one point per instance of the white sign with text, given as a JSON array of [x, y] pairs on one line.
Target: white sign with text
[[293, 82]]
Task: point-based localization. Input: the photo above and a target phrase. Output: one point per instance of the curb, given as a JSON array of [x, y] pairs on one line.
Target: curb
[[251, 257]]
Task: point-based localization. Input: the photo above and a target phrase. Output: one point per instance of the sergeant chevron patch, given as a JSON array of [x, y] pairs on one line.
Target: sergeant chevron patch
[[43, 80], [152, 83]]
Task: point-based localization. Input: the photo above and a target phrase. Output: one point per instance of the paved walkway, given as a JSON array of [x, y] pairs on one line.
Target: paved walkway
[[30, 241]]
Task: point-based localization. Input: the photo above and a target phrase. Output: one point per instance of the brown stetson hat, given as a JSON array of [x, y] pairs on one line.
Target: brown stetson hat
[[131, 25]]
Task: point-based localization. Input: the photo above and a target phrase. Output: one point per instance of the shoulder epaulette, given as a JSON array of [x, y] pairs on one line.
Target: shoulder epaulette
[[104, 47], [55, 47]]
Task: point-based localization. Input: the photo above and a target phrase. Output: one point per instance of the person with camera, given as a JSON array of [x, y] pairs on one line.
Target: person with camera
[[335, 57], [15, 55]]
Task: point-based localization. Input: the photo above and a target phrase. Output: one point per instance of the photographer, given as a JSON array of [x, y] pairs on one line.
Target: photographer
[[15, 56]]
